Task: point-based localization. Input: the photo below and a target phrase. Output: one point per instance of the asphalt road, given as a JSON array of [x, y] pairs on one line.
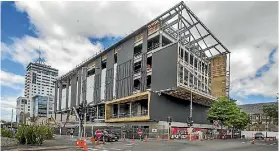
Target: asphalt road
[[154, 145], [181, 145]]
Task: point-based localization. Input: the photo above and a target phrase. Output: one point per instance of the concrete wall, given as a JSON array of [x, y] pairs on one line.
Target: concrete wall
[[249, 134], [163, 106], [164, 68]]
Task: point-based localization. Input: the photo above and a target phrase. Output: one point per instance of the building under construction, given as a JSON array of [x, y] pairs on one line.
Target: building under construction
[[150, 75]]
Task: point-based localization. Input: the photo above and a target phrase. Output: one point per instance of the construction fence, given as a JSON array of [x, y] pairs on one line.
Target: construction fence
[[151, 132]]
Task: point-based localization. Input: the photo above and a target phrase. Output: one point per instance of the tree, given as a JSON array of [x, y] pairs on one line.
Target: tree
[[228, 113], [271, 111]]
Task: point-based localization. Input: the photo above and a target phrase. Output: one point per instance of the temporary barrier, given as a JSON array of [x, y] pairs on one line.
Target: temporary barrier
[[84, 144], [253, 140]]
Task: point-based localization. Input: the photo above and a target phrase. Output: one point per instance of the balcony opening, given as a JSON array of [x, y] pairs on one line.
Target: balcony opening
[[165, 41], [149, 63], [130, 109], [114, 110], [181, 53], [148, 82], [137, 67], [191, 59], [139, 108], [153, 43], [101, 111], [104, 64], [196, 63], [136, 85], [115, 58], [91, 72], [137, 50], [124, 110]]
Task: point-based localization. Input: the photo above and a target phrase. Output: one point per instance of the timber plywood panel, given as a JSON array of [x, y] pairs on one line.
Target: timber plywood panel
[[218, 76]]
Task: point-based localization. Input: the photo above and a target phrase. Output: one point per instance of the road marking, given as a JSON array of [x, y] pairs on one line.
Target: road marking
[[115, 148], [93, 149]]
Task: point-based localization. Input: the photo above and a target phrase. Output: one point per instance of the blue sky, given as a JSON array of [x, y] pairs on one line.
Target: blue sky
[[22, 28]]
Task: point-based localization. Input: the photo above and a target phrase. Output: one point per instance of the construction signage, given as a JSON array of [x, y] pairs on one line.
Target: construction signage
[[98, 133], [140, 132]]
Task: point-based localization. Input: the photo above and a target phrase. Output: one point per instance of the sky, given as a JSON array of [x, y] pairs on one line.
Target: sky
[[69, 32]]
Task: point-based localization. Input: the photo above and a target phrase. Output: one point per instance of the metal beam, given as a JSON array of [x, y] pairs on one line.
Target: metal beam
[[203, 50], [185, 36], [164, 20], [170, 24], [184, 5], [197, 40]]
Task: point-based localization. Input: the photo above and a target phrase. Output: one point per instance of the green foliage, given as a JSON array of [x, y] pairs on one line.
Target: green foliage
[[228, 113], [34, 134], [6, 133], [271, 111]]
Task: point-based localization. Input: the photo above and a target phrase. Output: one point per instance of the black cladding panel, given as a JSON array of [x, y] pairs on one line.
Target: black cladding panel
[[164, 68], [163, 106]]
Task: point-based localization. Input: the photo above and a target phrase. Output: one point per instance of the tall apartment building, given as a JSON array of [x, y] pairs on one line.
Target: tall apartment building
[[39, 80], [151, 74]]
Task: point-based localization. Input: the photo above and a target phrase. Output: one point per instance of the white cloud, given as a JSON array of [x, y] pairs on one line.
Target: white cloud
[[63, 54], [8, 103], [91, 19], [265, 85], [11, 80], [63, 29]]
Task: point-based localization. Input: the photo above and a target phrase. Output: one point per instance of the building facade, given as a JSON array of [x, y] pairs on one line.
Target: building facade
[[258, 120], [21, 108], [43, 106], [39, 80], [151, 74]]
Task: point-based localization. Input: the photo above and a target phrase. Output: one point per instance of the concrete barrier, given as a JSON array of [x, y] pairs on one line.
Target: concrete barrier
[[248, 134]]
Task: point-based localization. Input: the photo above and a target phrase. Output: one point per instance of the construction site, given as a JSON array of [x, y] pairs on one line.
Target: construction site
[[172, 66]]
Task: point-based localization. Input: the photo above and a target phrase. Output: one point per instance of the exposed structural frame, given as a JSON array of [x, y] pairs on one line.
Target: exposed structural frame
[[181, 24]]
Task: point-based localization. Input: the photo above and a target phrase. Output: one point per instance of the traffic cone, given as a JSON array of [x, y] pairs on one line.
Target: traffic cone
[[253, 139], [84, 144], [78, 143], [93, 140], [158, 138], [97, 142], [145, 139], [124, 139]]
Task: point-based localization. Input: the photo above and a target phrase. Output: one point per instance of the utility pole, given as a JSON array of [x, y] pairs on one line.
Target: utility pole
[[12, 118], [191, 105]]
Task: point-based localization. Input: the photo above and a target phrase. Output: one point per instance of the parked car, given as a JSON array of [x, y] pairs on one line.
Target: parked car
[[259, 135], [108, 136]]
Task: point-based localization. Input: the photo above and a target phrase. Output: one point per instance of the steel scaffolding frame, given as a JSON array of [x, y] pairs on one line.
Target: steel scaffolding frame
[[194, 38]]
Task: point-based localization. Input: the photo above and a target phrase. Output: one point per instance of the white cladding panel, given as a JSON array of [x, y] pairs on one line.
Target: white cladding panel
[[90, 88], [114, 80], [63, 102], [103, 83], [77, 95], [69, 98], [57, 107]]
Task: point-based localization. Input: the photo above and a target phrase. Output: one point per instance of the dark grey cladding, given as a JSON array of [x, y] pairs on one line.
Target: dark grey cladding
[[164, 68], [163, 106]]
